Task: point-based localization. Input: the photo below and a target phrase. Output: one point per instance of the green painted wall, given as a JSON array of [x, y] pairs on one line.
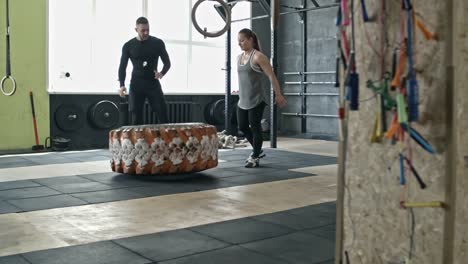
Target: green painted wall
[[28, 59]]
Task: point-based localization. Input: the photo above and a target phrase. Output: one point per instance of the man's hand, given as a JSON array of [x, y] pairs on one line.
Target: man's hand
[[158, 75], [281, 101], [123, 91]]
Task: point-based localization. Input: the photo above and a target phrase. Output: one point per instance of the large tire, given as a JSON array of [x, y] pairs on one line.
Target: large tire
[[163, 148]]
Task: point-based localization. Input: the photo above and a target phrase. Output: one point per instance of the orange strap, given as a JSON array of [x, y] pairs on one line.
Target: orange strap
[[393, 128], [396, 82], [427, 34]]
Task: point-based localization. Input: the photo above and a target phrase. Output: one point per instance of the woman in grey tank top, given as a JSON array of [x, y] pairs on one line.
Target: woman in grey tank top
[[252, 68]]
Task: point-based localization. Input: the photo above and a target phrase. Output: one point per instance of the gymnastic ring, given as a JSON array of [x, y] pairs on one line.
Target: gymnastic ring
[[205, 33], [3, 85]]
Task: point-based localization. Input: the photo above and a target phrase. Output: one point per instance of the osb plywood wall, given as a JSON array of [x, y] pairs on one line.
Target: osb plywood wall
[[461, 109], [376, 229]]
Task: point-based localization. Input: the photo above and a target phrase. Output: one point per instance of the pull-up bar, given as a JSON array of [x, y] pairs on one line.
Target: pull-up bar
[[287, 13], [226, 6]]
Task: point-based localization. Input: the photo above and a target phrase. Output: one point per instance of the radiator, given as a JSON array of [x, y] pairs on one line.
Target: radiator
[[178, 112]]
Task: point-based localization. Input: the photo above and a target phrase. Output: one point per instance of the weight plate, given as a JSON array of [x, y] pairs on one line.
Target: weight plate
[[207, 113], [218, 112], [69, 117], [104, 115]]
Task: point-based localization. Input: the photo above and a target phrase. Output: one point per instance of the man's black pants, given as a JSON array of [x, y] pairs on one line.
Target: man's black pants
[[140, 90]]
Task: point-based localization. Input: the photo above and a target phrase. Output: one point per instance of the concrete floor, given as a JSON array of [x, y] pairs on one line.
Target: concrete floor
[[69, 208]]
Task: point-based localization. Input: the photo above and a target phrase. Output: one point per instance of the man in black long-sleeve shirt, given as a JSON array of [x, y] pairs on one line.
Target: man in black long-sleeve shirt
[[144, 52]]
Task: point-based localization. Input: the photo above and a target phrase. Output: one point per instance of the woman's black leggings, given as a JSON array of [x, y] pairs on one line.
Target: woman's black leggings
[[250, 124]]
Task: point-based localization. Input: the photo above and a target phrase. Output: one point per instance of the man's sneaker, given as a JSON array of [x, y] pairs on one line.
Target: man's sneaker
[[262, 155], [252, 162]]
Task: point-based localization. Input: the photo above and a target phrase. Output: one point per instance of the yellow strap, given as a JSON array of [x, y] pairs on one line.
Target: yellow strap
[[424, 204]]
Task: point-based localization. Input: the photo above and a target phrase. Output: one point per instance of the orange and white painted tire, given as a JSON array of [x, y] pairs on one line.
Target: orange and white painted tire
[[163, 148]]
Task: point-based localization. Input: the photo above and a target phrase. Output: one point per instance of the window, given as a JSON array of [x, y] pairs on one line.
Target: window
[[86, 39], [177, 78], [240, 11], [112, 28], [206, 71], [170, 19], [70, 49]]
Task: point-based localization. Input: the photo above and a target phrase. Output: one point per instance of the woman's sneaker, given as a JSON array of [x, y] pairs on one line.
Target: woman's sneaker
[[262, 155], [252, 162]]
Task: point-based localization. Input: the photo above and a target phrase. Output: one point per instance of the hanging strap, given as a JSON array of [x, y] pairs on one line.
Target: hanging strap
[[8, 63]]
